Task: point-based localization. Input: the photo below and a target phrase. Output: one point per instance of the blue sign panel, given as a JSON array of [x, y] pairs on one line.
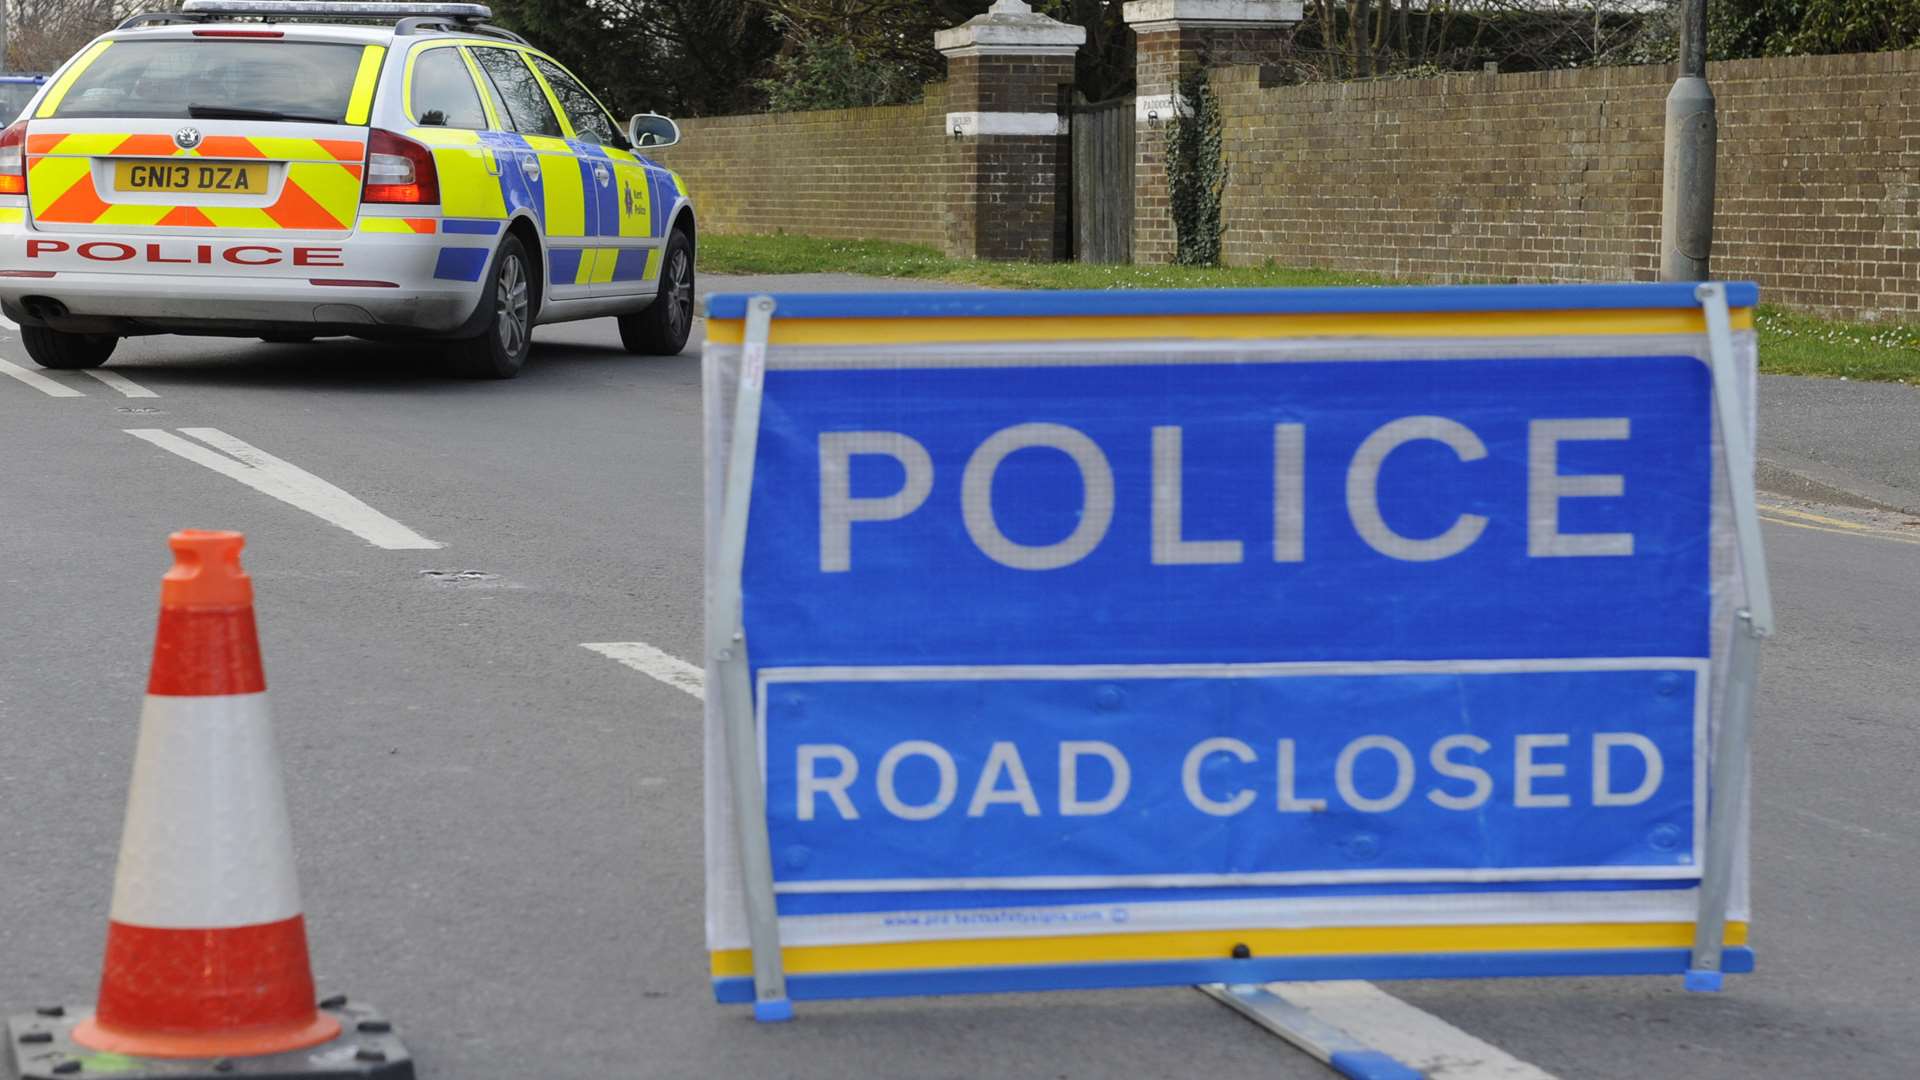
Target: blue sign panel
[[1109, 521]]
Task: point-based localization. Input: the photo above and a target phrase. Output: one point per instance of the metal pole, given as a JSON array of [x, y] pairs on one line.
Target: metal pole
[[1686, 195], [1727, 807], [1753, 624], [1736, 438], [727, 645]]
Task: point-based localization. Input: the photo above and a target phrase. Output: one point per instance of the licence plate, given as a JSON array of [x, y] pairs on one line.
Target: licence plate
[[190, 177]]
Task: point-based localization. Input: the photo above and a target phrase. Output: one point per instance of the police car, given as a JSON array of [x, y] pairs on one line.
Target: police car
[[289, 170], [16, 89]]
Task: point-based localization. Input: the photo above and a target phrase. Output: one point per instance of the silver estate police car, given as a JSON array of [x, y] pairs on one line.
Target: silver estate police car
[[289, 170]]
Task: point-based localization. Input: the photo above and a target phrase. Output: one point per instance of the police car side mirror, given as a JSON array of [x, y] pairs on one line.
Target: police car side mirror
[[651, 131]]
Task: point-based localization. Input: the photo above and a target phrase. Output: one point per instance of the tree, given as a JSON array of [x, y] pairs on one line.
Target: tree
[[1738, 29], [839, 54], [692, 57], [1343, 39], [843, 53], [705, 57], [40, 35], [1104, 68], [833, 73]]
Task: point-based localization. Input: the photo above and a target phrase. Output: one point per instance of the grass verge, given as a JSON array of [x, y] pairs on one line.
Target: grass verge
[[1790, 343], [1794, 344], [784, 254]]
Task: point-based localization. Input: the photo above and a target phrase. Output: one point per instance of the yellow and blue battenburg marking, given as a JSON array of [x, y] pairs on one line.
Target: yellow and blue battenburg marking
[[1112, 639], [620, 206], [488, 177]]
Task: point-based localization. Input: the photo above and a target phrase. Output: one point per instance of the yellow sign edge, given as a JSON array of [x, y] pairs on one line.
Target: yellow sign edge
[[1227, 327], [1215, 944]]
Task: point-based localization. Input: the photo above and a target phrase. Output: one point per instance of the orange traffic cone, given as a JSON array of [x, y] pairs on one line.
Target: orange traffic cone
[[206, 955]]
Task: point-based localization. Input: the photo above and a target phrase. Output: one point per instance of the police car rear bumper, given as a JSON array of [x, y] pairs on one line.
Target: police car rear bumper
[[384, 285]]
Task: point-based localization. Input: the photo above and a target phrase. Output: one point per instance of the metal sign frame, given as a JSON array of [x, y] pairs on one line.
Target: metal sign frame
[[727, 650]]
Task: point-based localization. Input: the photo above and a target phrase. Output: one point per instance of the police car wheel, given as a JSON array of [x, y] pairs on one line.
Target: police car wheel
[[62, 350], [501, 348], [662, 329]]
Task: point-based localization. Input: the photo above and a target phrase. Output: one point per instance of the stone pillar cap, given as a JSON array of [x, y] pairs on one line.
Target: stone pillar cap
[[1011, 26], [1167, 14]]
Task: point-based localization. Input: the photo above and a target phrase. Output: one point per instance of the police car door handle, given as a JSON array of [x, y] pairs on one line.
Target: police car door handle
[[530, 165], [601, 174]]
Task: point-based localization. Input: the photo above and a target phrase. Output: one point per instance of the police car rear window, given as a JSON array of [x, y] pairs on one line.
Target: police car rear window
[[443, 93], [212, 80], [13, 98]]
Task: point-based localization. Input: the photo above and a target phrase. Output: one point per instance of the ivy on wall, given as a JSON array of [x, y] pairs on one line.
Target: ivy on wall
[[1196, 173]]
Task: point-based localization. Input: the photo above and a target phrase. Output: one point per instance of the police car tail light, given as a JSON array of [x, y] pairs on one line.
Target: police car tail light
[[13, 160], [400, 170]]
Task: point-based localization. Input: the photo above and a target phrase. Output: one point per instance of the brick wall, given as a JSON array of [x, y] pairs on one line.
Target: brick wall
[[1555, 176], [1012, 194], [1161, 60], [879, 174]]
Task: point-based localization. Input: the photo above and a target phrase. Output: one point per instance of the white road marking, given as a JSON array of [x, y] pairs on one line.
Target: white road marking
[[38, 381], [655, 664], [290, 484], [126, 386], [1418, 1039], [1371, 1015]]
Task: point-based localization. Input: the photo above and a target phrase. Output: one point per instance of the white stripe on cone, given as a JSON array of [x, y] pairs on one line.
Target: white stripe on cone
[[207, 844]]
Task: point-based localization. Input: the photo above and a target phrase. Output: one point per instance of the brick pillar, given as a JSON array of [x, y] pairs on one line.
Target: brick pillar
[[1176, 38], [1010, 86]]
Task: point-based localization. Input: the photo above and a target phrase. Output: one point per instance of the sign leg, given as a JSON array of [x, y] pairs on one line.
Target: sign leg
[[1727, 809], [1754, 622], [1328, 1044], [727, 648]]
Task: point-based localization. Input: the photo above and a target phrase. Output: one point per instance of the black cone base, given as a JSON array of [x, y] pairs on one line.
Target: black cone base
[[40, 1046]]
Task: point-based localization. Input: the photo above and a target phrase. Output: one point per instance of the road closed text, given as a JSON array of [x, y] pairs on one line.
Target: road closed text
[[1431, 768], [1224, 777]]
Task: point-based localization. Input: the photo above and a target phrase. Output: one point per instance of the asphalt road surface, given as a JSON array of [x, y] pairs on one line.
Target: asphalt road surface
[[1857, 443], [499, 830]]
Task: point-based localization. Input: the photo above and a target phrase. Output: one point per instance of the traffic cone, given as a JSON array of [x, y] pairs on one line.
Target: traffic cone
[[206, 956]]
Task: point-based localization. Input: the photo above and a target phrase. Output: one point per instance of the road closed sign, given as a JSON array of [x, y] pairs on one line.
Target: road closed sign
[[1119, 639]]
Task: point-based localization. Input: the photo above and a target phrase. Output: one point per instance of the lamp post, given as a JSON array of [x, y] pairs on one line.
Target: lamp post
[[1686, 204]]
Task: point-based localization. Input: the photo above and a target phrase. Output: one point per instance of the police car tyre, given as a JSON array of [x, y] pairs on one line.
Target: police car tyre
[[501, 348], [63, 350], [662, 329]]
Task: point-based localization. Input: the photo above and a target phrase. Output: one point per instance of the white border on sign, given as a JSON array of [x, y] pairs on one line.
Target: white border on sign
[[1699, 666]]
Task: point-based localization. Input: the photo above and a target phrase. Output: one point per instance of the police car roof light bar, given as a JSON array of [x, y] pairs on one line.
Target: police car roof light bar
[[384, 10]]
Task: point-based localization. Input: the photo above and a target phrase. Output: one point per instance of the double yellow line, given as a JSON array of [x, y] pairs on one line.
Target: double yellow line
[[1801, 519]]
